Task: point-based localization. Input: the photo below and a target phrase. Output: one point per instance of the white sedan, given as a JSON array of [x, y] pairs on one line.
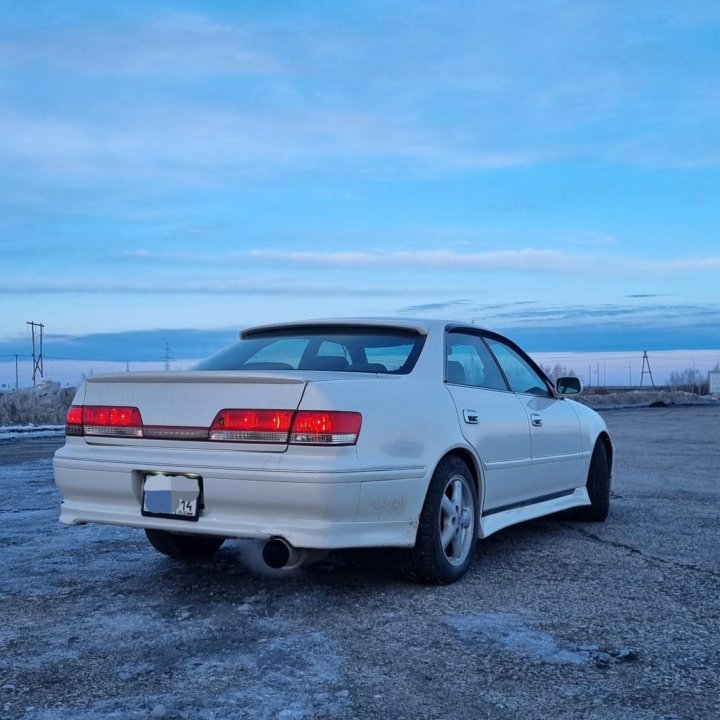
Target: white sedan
[[424, 435]]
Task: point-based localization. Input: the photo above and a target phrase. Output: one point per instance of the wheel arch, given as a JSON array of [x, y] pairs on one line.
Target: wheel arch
[[474, 465], [604, 438]]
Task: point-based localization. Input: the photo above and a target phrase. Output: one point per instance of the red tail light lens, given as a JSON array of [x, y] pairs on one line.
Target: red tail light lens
[[73, 421], [312, 427], [282, 426], [304, 427], [268, 426], [107, 420]]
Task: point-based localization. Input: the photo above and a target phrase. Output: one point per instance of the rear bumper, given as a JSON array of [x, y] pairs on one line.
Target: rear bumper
[[337, 508]]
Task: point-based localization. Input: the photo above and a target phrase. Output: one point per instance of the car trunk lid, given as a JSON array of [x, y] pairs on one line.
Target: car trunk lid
[[180, 407]]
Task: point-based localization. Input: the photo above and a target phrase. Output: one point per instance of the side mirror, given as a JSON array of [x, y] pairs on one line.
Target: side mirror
[[568, 386]]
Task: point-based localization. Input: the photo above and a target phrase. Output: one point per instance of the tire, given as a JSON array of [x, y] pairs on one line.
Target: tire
[[447, 531], [598, 487], [184, 547]]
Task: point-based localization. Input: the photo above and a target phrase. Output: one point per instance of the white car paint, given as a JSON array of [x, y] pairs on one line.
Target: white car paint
[[368, 494]]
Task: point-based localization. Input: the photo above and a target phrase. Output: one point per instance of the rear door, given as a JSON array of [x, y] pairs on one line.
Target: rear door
[[557, 462], [492, 419]]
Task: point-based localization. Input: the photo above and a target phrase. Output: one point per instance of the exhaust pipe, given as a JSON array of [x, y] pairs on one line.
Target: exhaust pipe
[[280, 554]]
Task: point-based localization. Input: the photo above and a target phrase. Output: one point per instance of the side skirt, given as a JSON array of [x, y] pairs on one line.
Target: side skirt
[[498, 519]]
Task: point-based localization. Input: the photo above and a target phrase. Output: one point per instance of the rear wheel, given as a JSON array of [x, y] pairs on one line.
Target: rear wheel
[[447, 532], [184, 547], [598, 487]]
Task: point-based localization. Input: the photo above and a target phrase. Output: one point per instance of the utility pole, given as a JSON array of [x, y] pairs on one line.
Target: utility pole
[[37, 360], [167, 357], [646, 361], [16, 372]]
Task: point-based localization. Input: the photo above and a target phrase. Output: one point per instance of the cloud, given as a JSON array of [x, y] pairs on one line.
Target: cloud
[[630, 333], [207, 99], [431, 307], [196, 142], [266, 286], [466, 307], [535, 317], [534, 261], [710, 263], [527, 260], [189, 99], [648, 295], [173, 44], [661, 317], [630, 336]]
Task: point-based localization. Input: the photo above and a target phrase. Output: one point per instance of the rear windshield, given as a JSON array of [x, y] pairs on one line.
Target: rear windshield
[[340, 348]]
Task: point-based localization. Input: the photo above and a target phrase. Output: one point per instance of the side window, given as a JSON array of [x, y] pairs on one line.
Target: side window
[[469, 362], [522, 377]]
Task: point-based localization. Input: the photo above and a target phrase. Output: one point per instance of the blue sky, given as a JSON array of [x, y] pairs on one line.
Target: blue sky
[[551, 169]]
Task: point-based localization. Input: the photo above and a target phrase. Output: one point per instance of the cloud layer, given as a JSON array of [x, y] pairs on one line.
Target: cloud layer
[[214, 164]]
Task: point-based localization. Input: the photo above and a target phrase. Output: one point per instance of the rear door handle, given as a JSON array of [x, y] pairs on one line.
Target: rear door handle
[[536, 420], [471, 417]]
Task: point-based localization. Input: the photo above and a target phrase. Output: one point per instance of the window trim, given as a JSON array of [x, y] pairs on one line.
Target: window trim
[[486, 335], [478, 334]]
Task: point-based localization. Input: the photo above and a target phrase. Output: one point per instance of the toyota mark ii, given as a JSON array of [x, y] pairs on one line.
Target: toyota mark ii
[[419, 435]]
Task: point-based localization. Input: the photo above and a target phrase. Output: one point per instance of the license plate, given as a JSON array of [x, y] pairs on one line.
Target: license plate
[[171, 496]]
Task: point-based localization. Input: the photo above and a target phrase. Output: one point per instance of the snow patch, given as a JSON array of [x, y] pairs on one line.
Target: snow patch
[[511, 632], [25, 432], [643, 398]]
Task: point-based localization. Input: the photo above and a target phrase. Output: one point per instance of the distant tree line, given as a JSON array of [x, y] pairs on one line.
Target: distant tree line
[[556, 371], [689, 380]]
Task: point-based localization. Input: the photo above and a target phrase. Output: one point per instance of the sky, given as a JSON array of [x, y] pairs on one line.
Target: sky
[[173, 171]]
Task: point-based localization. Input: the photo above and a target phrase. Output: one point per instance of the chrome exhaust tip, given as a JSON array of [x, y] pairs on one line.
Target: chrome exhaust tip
[[279, 554]]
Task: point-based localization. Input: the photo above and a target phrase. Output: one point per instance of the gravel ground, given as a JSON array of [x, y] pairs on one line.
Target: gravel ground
[[556, 619]]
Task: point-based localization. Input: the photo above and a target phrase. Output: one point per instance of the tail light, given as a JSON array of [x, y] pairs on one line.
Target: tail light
[[267, 426], [305, 427], [73, 421], [302, 427], [104, 420], [311, 427]]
